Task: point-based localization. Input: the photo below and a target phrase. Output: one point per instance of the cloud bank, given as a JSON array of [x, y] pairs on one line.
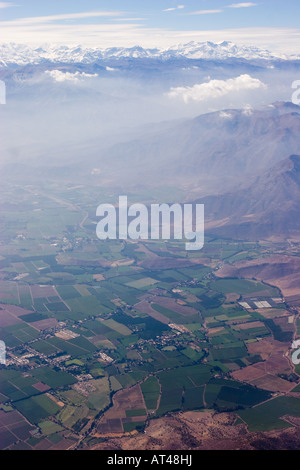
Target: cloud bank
[[215, 88], [59, 76], [179, 7], [7, 5], [242, 5]]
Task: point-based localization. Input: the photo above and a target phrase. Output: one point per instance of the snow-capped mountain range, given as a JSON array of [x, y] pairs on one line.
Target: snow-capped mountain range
[[17, 54]]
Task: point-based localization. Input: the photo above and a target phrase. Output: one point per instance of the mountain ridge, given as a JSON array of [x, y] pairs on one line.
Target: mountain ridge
[[20, 54], [248, 142], [268, 207]]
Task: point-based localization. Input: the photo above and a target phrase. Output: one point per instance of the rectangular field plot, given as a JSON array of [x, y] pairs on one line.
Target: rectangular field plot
[[242, 287], [37, 408], [23, 332], [224, 354], [52, 378], [89, 305], [113, 325], [42, 292], [267, 416], [32, 317], [44, 347], [171, 400], [230, 395], [142, 283], [15, 386], [56, 307], [68, 347], [193, 399], [68, 292], [48, 428], [244, 395]]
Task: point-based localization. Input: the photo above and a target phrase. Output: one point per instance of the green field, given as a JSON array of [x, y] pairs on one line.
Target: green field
[[52, 378], [37, 408], [118, 327], [141, 283], [151, 389], [134, 413], [242, 287], [267, 416], [193, 399], [48, 428]]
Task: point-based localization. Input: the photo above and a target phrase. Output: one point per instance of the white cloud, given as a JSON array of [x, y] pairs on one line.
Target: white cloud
[[215, 88], [59, 76], [225, 115], [205, 12], [129, 34], [128, 19], [40, 20], [242, 5], [248, 110], [7, 5], [179, 7]]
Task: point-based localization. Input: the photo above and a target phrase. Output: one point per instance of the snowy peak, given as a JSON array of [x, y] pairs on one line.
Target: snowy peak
[[18, 54], [224, 50]]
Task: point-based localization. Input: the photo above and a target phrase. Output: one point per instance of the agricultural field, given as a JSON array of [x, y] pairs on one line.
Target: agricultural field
[[271, 415], [102, 337]]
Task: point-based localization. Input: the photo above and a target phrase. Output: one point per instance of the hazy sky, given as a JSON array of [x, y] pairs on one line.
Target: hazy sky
[[272, 24]]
